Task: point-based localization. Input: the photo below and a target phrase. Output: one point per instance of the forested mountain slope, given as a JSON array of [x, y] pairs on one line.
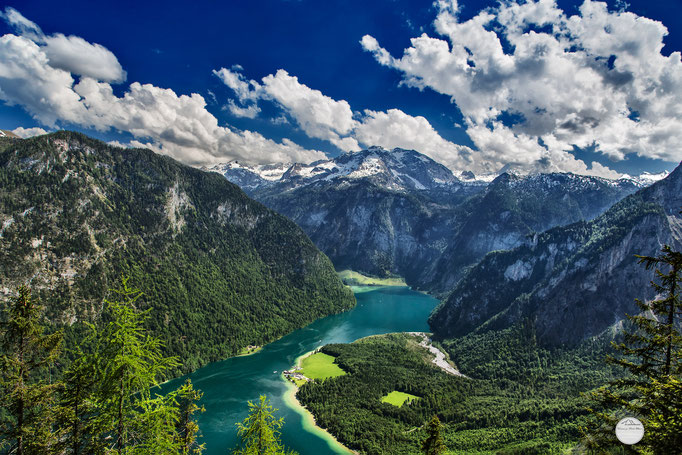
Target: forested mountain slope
[[219, 270], [574, 281]]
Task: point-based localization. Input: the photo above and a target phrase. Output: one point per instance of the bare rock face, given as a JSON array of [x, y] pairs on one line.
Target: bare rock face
[[573, 281]]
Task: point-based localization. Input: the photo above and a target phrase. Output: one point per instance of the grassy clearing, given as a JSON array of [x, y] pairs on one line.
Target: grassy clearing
[[320, 366], [248, 350], [353, 278], [398, 398]]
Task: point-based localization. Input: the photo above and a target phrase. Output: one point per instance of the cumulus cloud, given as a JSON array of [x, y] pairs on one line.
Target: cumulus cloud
[[318, 115], [29, 132], [239, 111], [323, 117], [177, 125], [394, 128], [22, 25], [69, 53], [594, 78], [233, 78], [75, 55]]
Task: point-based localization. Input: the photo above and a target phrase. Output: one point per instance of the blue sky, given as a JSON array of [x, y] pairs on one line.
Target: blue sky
[[295, 80]]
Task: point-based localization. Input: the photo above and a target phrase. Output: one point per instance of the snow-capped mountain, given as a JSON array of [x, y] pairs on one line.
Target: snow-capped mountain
[[250, 177], [646, 178], [399, 212], [396, 169]]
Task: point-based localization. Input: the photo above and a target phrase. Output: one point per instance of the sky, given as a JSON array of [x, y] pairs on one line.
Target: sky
[[532, 86]]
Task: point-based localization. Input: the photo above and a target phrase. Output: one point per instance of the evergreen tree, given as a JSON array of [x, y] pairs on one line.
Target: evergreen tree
[[259, 432], [77, 401], [129, 364], [187, 426], [652, 355], [26, 390], [434, 444]]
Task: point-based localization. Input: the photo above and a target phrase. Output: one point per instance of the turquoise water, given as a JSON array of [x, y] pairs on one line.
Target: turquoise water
[[229, 384]]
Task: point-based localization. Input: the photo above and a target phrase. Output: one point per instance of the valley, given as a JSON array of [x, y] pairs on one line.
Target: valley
[[514, 349], [397, 212], [394, 227], [227, 385]]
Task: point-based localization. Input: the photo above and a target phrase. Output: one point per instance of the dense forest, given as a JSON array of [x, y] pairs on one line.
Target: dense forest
[[108, 399], [219, 271], [518, 398]]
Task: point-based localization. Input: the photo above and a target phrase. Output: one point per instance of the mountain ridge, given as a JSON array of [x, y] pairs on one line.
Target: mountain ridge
[[574, 281], [397, 212], [220, 270]]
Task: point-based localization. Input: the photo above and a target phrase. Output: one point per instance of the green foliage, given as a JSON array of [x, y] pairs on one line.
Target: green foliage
[[25, 393], [259, 432], [104, 402], [129, 363], [518, 397], [77, 408], [220, 271], [433, 444], [187, 427], [652, 355]]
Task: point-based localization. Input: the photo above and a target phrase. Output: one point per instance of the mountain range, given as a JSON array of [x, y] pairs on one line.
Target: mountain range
[[398, 212], [573, 281]]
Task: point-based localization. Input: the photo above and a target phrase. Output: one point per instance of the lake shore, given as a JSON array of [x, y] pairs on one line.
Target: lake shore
[[309, 423]]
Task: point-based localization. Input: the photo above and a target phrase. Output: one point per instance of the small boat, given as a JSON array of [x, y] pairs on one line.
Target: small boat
[[275, 372]]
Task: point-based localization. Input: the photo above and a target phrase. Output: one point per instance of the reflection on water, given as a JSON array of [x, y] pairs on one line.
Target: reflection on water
[[228, 385]]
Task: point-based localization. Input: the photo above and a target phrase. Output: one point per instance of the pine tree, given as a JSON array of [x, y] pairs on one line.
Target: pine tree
[[259, 432], [434, 444], [25, 391], [651, 354]]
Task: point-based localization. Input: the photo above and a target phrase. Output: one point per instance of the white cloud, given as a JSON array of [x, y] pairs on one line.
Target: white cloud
[[575, 80], [280, 120], [28, 80], [77, 56], [245, 90], [238, 111], [394, 128], [69, 53], [29, 132], [177, 125], [119, 144], [323, 117], [24, 26], [318, 115]]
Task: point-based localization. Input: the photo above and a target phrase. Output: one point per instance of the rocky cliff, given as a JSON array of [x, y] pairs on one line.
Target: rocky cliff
[[574, 281]]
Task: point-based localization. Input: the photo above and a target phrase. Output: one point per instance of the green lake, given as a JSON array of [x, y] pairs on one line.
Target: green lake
[[229, 384]]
